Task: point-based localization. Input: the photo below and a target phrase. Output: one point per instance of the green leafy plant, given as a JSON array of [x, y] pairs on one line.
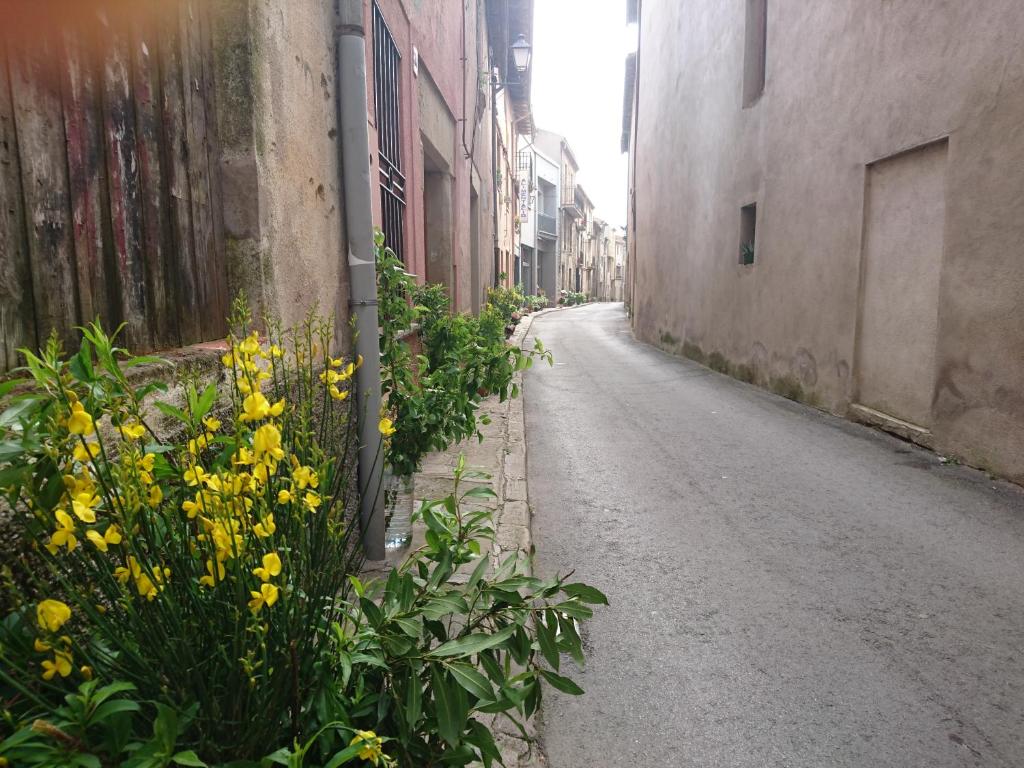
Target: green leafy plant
[[447, 642], [431, 401]]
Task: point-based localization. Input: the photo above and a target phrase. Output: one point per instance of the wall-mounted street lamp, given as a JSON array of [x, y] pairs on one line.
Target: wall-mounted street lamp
[[522, 52]]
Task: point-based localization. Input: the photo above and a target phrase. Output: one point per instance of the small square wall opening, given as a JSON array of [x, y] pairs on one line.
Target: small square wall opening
[[748, 225]]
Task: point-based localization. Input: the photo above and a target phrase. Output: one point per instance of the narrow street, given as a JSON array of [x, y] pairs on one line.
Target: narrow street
[[787, 588]]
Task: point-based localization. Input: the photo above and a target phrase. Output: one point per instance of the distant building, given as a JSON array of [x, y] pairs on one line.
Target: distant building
[[539, 180]]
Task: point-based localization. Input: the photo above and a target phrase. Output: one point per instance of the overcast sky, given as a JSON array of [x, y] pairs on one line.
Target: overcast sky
[[579, 53]]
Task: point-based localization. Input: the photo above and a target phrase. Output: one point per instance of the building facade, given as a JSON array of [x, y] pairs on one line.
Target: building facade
[[448, 105], [828, 201], [538, 211]]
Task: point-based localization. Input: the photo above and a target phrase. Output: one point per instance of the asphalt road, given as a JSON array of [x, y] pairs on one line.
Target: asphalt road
[[787, 589]]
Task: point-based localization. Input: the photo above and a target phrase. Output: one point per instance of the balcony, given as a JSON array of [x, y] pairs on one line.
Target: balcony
[[571, 202], [547, 226]]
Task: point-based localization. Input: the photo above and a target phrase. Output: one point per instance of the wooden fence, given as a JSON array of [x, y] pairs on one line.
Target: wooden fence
[[109, 195]]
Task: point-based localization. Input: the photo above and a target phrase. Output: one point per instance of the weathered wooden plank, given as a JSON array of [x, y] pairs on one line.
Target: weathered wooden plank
[[198, 166], [39, 122], [124, 183], [179, 202], [150, 139], [83, 131], [218, 270], [17, 320]]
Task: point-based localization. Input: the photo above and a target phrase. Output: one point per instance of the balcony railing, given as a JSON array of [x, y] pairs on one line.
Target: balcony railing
[[571, 202], [547, 225]]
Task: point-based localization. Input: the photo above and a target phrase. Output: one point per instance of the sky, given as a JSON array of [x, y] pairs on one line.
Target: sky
[[579, 54]]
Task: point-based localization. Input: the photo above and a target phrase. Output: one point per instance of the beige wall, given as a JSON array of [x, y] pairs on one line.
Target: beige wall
[[848, 85], [277, 126]]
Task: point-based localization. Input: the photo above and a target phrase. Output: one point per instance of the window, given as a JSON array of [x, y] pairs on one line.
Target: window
[[386, 70], [748, 225], [754, 51]]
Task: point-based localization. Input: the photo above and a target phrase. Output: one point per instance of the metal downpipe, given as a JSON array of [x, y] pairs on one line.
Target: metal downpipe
[[354, 169]]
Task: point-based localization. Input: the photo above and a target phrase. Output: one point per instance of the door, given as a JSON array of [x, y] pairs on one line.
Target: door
[[902, 260]]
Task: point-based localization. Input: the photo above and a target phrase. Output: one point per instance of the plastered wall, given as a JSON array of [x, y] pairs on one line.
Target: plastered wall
[[847, 85]]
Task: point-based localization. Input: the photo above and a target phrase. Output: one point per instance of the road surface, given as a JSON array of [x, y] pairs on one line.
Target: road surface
[[787, 588]]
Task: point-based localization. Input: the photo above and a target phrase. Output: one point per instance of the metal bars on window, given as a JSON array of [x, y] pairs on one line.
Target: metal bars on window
[[387, 106]]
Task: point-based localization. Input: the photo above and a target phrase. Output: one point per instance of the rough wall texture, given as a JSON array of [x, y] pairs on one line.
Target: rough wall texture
[[277, 123], [846, 86]]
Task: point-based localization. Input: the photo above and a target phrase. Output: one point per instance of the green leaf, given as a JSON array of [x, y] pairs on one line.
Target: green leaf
[[574, 608], [474, 643], [586, 593], [169, 410], [570, 639], [411, 627], [7, 386], [344, 756], [206, 401], [448, 722], [413, 700], [466, 676], [188, 757], [480, 492], [563, 684], [546, 638], [478, 572], [109, 708], [443, 605]]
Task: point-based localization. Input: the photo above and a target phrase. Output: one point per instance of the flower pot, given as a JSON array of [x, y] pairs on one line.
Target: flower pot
[[398, 507]]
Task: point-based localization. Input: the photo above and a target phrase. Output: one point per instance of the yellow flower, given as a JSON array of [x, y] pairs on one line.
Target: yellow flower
[[212, 576], [132, 431], [386, 427], [359, 362], [52, 614], [191, 508], [372, 746], [266, 527], [82, 505], [64, 536], [86, 672], [336, 362], [305, 476], [251, 345], [156, 495], [195, 475], [311, 500], [338, 394], [84, 453], [283, 497], [271, 567], [145, 464], [266, 441], [276, 351], [255, 407], [111, 536], [266, 596], [277, 408], [61, 665], [211, 424], [242, 457], [80, 422]]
